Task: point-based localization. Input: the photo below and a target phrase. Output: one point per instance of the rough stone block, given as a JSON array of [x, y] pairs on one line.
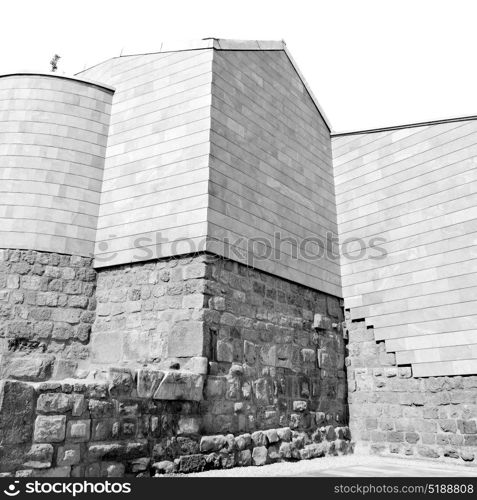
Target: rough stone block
[[215, 387], [285, 450], [78, 431], [225, 351], [107, 347], [50, 429], [17, 404], [448, 425], [284, 433], [68, 455], [259, 438], [40, 456], [54, 472], [243, 441], [187, 339], [188, 425], [180, 385], [212, 443], [427, 452], [148, 381], [54, 403], [121, 382], [260, 455], [192, 463], [272, 436], [79, 405], [244, 458], [322, 322], [164, 467], [197, 364], [26, 367]]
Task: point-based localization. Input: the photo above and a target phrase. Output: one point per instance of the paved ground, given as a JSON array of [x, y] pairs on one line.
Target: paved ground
[[350, 466]]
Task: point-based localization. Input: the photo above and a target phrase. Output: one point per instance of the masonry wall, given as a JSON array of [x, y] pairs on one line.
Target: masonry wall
[[262, 380], [47, 307], [252, 334], [415, 190], [53, 140], [151, 313], [394, 412]]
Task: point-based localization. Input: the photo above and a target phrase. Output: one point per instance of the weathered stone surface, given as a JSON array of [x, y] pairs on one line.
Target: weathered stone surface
[[197, 364], [259, 438], [68, 455], [260, 455], [112, 470], [284, 433], [78, 431], [212, 443], [285, 450], [188, 425], [164, 467], [17, 403], [225, 351], [243, 441], [427, 452], [260, 345], [192, 463], [39, 456], [180, 385], [272, 436], [215, 387], [121, 382], [466, 455], [139, 464], [79, 405], [148, 381], [121, 451], [244, 458], [23, 367], [54, 472], [186, 339], [50, 429], [54, 403]]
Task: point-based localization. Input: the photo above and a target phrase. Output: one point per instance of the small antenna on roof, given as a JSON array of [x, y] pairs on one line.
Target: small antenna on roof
[[54, 62], [121, 53]]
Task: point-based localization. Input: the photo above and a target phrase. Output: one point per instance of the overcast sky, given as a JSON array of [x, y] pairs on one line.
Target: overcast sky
[[370, 63]]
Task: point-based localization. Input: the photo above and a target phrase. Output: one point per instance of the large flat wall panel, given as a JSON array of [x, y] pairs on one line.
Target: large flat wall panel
[[407, 217], [155, 185], [53, 134], [271, 179]]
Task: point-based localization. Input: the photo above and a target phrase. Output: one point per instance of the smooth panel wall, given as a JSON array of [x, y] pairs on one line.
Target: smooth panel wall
[[53, 134], [154, 199], [272, 198], [416, 188]]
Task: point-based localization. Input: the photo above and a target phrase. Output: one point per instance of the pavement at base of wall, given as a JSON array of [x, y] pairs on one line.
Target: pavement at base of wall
[[350, 466]]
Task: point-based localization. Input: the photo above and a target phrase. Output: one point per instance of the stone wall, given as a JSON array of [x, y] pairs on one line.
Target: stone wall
[[250, 332], [266, 357], [122, 426], [195, 362], [47, 307], [393, 412], [151, 312]]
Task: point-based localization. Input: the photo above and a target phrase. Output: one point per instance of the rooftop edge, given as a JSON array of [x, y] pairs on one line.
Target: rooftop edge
[[230, 44], [54, 75], [407, 125]]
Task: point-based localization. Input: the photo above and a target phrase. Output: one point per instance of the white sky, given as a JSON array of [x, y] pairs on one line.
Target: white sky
[[370, 63]]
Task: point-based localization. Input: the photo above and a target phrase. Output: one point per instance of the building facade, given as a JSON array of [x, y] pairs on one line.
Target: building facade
[[196, 273]]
